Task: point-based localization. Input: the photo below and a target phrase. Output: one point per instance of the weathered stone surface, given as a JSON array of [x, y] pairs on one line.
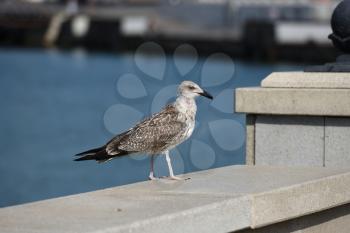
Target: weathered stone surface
[[337, 142], [333, 220], [277, 205], [218, 200], [250, 139], [307, 80], [289, 140], [293, 101]]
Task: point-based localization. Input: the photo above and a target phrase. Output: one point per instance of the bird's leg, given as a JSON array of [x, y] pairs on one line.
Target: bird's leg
[[171, 173], [151, 174]]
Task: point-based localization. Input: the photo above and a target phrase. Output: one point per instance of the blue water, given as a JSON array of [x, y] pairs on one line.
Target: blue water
[[55, 104]]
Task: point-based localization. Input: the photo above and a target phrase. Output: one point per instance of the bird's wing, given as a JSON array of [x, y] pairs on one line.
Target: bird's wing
[[152, 134]]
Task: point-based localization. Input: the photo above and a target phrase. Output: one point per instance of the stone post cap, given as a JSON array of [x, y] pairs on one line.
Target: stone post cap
[[307, 80], [297, 93]]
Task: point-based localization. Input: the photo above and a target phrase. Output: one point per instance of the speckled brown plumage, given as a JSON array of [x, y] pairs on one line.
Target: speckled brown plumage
[[153, 135]]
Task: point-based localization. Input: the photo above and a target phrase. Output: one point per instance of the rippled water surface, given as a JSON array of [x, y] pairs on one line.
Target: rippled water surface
[[55, 104]]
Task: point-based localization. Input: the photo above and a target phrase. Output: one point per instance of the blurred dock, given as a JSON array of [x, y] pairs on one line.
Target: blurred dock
[[271, 29]]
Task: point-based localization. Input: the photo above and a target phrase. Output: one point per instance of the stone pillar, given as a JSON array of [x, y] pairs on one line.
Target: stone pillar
[[298, 119]]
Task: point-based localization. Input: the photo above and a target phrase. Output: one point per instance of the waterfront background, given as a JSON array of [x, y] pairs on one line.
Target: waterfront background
[[63, 98]]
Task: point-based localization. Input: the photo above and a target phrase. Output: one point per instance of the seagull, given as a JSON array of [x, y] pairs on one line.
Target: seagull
[[157, 134]]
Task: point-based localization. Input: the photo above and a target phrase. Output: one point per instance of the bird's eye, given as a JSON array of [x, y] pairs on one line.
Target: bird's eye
[[191, 87]]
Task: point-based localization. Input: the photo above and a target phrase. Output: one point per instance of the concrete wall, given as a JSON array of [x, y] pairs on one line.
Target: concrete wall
[[302, 141], [298, 140], [334, 220], [226, 199], [298, 119], [337, 142], [291, 140]]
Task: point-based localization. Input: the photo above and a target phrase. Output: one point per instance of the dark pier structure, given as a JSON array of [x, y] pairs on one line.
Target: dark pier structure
[[341, 40], [245, 29]]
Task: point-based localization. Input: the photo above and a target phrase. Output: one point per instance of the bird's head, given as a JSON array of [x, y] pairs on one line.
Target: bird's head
[[190, 89]]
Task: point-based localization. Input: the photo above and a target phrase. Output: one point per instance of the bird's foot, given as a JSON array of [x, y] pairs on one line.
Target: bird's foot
[[178, 178], [152, 177], [175, 178]]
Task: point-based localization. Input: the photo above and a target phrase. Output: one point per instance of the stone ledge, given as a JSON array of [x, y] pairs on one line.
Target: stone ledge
[[307, 80], [293, 101], [301, 199], [217, 200]]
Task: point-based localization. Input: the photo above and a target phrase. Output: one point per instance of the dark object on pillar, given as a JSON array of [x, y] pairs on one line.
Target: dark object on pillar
[[341, 27], [341, 40]]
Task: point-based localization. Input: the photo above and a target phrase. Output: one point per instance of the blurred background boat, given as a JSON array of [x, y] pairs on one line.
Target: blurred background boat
[[270, 29]]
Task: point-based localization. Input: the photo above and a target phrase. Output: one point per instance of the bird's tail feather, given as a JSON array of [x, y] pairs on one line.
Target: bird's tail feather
[[99, 154], [92, 151]]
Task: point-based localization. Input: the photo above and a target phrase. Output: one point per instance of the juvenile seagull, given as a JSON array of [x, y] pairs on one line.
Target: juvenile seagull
[[157, 134]]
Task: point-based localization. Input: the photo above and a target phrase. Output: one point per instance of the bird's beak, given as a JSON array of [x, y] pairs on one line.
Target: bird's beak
[[206, 94]]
